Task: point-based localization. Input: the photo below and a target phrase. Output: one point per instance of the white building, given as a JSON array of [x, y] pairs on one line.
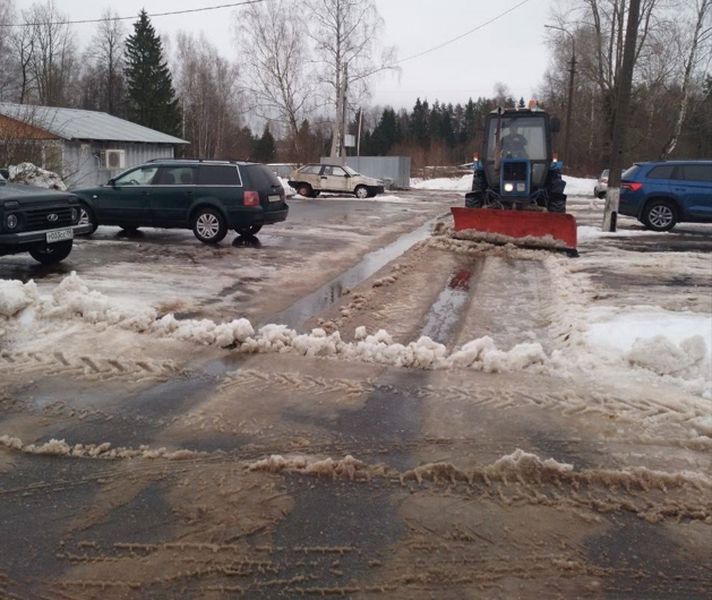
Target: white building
[[85, 147]]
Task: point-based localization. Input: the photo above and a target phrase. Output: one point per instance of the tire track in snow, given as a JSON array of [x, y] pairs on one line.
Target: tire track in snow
[[94, 368], [567, 402]]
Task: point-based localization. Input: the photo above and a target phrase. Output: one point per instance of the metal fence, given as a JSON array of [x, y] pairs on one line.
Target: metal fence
[[394, 170]]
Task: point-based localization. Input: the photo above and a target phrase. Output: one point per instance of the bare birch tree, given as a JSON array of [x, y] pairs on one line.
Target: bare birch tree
[[53, 53], [699, 48], [206, 84], [106, 54], [274, 52], [345, 34], [7, 63]]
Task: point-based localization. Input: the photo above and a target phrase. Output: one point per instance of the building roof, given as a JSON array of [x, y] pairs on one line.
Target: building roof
[[75, 124]]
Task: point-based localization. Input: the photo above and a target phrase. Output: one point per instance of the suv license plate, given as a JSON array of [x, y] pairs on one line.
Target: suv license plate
[[275, 198], [60, 235]]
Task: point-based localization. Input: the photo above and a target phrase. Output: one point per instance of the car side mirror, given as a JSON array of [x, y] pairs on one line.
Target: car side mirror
[[555, 125]]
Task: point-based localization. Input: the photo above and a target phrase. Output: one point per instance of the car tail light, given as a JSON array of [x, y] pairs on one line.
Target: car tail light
[[633, 186], [251, 199]]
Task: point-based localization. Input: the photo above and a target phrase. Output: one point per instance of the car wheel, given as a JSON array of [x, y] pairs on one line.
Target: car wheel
[[660, 215], [361, 192], [305, 190], [209, 225], [248, 230], [50, 254], [86, 217]]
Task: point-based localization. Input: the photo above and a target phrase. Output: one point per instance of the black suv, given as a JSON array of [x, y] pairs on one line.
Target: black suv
[[206, 196], [41, 222]]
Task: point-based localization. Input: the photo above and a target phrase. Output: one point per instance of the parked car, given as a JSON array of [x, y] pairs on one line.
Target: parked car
[[311, 180], [601, 187], [208, 197], [661, 194], [39, 221]]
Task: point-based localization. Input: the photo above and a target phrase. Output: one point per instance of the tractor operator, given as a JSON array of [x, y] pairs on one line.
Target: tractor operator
[[514, 144]]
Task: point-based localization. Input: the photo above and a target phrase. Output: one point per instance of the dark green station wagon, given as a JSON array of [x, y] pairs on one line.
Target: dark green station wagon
[[208, 197]]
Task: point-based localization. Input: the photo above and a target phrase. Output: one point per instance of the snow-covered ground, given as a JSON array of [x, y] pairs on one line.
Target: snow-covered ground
[[575, 186], [572, 398]]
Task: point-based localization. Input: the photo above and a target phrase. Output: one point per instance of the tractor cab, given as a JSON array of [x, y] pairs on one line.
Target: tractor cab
[[517, 151], [517, 169]]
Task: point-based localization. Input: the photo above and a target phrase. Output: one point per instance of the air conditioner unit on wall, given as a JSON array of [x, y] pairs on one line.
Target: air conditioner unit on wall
[[113, 159]]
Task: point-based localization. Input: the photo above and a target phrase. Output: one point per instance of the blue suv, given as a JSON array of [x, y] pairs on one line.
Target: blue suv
[[661, 194]]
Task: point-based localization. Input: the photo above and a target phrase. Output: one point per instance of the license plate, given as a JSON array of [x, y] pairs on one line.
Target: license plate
[[60, 235], [275, 198]]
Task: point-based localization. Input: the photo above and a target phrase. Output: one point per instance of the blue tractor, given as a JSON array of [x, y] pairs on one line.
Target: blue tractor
[[517, 186]]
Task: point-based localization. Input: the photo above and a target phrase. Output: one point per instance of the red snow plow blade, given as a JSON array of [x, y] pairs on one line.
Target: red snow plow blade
[[556, 231]]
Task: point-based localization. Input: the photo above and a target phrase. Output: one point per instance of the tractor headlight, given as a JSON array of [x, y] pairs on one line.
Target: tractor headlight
[[11, 221], [508, 187]]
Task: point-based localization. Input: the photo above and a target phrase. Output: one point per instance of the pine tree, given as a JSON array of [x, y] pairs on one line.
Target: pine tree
[[264, 148], [386, 134], [152, 99], [419, 124]]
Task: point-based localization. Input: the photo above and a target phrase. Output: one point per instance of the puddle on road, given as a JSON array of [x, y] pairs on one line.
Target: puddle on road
[[318, 301], [445, 312]]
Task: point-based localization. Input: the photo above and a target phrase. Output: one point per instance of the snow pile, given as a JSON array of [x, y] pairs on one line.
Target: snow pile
[[482, 354], [546, 241], [520, 466], [72, 299], [105, 451], [664, 357], [579, 186], [30, 174], [449, 184], [677, 344], [346, 468], [575, 186], [525, 468], [586, 233], [15, 296], [288, 189]]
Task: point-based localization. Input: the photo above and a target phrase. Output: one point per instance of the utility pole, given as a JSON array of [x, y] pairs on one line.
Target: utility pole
[[624, 82], [570, 101]]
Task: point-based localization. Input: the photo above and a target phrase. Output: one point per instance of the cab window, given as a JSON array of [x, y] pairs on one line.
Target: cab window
[[140, 176]]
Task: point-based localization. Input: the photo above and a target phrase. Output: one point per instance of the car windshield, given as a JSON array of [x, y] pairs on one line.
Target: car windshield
[[351, 172]]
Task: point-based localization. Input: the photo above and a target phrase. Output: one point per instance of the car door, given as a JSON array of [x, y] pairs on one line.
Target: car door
[[334, 179], [125, 199], [693, 186], [172, 195]]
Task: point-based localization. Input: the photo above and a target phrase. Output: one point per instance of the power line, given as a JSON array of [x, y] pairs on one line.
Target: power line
[[459, 37], [132, 17]]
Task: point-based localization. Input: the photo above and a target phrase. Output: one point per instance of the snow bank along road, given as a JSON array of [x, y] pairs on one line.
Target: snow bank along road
[[439, 418]]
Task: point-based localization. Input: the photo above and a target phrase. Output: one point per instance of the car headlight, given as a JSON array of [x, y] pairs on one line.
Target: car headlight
[[508, 187], [75, 215], [11, 221]]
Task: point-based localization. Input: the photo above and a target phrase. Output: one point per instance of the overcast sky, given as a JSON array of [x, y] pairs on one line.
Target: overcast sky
[[510, 50]]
